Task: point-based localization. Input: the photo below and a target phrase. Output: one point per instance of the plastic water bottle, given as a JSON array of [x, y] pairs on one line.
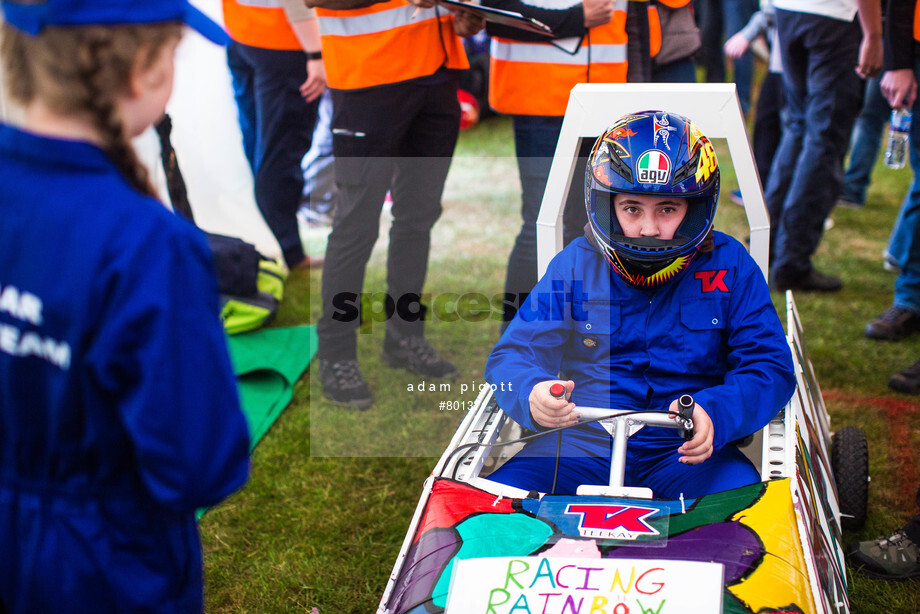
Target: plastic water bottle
[[898, 137]]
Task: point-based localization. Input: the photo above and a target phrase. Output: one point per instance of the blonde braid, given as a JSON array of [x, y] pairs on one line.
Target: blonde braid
[[80, 71], [103, 71], [18, 80]]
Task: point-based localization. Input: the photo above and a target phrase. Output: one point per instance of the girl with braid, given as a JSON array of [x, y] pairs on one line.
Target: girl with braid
[[119, 415]]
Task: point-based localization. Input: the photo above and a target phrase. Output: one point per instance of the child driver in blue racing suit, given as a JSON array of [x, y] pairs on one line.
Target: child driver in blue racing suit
[[650, 305]]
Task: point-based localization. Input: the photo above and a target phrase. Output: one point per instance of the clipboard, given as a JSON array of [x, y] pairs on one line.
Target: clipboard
[[507, 18]]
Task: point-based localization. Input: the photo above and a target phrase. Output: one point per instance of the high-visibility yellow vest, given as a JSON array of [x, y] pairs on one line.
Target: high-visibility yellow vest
[[387, 43], [536, 78], [259, 23]]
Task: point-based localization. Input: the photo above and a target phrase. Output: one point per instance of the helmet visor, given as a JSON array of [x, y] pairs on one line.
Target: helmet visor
[[604, 219]]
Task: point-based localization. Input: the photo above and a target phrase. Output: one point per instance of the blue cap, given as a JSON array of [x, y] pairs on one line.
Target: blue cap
[[31, 16]]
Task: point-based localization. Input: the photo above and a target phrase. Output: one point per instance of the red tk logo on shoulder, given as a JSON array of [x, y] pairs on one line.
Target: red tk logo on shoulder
[[712, 281], [607, 521]]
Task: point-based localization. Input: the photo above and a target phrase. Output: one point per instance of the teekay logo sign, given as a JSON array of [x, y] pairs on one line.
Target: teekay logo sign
[[611, 521]]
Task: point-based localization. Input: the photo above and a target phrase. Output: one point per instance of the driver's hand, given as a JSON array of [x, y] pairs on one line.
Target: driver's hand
[[550, 412], [699, 448]]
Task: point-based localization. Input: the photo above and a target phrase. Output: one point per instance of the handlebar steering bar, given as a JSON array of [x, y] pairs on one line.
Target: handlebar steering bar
[[622, 424]]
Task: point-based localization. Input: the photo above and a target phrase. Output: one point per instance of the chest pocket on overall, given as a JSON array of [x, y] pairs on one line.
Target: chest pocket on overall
[[702, 329], [594, 324]]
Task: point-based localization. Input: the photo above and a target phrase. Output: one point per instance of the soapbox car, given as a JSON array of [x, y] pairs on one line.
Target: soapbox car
[[477, 546]]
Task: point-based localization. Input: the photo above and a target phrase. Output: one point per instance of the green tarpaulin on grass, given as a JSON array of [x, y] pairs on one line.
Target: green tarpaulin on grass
[[268, 362]]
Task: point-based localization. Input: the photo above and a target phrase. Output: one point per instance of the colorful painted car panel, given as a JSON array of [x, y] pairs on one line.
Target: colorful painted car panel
[[750, 531]]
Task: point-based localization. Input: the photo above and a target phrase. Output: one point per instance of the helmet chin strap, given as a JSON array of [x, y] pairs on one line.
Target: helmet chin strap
[[641, 275], [651, 244], [641, 279]]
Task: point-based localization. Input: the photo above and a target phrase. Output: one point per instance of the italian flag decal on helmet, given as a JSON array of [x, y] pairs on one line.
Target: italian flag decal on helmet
[[653, 167]]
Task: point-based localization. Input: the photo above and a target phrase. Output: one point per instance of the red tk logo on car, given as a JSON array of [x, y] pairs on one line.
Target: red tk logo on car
[[613, 521], [712, 281]]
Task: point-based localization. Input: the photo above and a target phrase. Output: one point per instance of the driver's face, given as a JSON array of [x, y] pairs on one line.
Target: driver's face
[[650, 216]]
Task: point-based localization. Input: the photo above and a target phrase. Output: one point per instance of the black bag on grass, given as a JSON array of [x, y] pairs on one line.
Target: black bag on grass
[[251, 286]]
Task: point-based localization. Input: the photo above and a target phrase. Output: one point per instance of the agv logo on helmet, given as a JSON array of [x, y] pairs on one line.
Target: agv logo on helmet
[[653, 167]]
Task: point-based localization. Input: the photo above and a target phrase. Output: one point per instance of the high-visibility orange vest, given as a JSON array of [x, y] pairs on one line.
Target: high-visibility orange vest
[[387, 43], [536, 78], [917, 21], [259, 23], [654, 31]]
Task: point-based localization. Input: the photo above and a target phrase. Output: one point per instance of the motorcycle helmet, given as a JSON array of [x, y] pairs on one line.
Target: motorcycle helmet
[[654, 153]]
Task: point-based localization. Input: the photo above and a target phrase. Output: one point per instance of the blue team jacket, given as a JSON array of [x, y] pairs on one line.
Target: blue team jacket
[[119, 415], [712, 333]]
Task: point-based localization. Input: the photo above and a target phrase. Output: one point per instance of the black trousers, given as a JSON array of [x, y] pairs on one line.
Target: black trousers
[[399, 138], [768, 124]]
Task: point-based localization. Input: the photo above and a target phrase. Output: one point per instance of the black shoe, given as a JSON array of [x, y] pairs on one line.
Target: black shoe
[[907, 381], [891, 558], [415, 355], [812, 281], [343, 384], [894, 324]]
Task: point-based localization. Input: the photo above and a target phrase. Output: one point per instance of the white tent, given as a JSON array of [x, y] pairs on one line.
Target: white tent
[[207, 140]]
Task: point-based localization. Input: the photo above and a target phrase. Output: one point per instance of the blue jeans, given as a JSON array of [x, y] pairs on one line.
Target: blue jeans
[[865, 142], [719, 20], [679, 71], [277, 126], [820, 86], [535, 140], [904, 244]]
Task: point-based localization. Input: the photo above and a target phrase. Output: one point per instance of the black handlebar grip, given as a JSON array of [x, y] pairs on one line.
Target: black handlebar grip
[[686, 404]]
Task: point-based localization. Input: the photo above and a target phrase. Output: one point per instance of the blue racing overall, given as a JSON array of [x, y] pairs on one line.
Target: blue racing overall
[[712, 332], [119, 414]]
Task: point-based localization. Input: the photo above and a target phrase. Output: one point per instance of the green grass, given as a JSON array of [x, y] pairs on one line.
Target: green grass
[[332, 491]]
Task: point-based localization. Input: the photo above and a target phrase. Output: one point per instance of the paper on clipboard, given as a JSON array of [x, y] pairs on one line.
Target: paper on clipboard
[[507, 18]]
